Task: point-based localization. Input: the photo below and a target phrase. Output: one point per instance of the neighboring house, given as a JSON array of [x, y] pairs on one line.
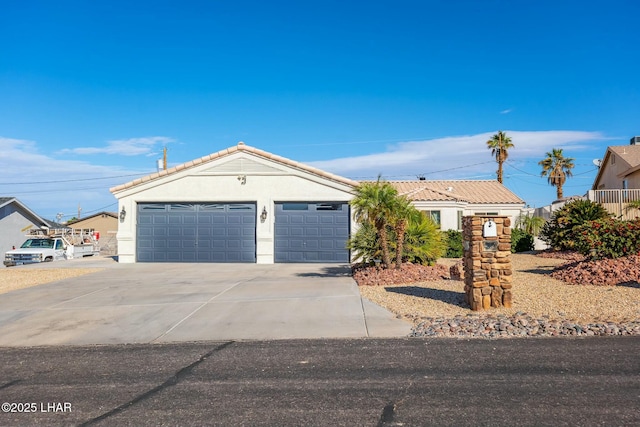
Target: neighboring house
[[16, 221], [240, 204], [448, 201], [618, 180], [105, 224]]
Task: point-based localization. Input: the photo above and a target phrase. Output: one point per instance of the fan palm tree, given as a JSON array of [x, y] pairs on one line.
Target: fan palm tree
[[374, 202], [500, 144], [530, 224], [403, 212], [557, 169]]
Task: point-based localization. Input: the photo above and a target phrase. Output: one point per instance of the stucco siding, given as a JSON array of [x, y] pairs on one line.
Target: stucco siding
[[264, 190], [14, 227]]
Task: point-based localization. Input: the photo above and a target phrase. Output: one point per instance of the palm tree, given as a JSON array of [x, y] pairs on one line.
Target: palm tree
[[374, 202], [403, 212], [424, 241], [530, 224], [557, 168], [500, 144]]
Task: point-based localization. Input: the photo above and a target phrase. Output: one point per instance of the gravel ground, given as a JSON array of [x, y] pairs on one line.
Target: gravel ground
[[13, 278], [541, 305]]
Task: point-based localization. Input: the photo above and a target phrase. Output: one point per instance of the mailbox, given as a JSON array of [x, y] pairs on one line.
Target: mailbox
[[489, 229]]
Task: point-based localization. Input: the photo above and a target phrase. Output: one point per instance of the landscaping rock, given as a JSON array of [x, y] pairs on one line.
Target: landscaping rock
[[408, 273]]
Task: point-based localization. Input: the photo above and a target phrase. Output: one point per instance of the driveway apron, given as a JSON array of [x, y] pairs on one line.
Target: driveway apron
[[153, 303]]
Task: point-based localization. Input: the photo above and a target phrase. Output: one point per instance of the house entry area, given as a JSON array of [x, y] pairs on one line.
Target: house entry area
[[311, 232], [196, 232]]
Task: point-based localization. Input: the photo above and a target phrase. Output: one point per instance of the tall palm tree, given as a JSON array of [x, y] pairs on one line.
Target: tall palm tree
[[557, 168], [500, 144], [374, 202]]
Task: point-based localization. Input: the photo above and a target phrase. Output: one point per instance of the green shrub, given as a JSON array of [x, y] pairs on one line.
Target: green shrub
[[364, 244], [608, 238], [559, 231], [453, 239], [423, 242], [521, 241]]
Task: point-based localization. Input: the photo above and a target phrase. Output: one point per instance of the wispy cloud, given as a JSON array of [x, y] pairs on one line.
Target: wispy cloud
[[49, 185], [507, 111], [459, 156], [124, 147]]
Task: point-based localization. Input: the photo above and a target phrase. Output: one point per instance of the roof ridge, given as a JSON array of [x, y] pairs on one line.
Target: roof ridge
[[241, 146]]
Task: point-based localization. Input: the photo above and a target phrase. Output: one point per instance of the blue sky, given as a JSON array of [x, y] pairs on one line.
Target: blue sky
[[91, 92]]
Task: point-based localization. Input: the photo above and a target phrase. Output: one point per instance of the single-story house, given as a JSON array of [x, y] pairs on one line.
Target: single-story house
[[240, 204], [243, 204], [448, 201], [105, 225], [16, 221]]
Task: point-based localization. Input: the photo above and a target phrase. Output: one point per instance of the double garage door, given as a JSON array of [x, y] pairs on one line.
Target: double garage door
[[196, 232], [226, 232]]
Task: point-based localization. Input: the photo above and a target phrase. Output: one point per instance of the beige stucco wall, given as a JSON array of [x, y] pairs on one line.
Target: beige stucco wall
[[609, 179], [449, 212], [106, 225], [204, 184]]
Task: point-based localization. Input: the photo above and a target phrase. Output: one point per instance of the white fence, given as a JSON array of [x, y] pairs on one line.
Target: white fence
[[616, 201]]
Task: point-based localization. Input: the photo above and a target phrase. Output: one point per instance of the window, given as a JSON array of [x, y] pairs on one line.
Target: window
[[435, 216], [151, 207], [240, 206], [329, 206], [295, 206], [486, 213]]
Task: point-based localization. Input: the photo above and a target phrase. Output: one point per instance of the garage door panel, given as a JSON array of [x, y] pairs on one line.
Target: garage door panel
[[327, 232], [159, 220], [311, 232], [145, 232], [158, 232], [206, 232]]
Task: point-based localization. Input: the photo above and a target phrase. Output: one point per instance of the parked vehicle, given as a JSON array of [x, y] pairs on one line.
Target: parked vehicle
[[53, 245]]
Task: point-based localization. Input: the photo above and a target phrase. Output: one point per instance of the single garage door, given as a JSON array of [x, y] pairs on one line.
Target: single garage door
[[196, 232], [312, 232]]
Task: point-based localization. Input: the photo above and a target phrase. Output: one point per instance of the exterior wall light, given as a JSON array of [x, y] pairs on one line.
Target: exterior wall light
[[123, 214], [263, 215]]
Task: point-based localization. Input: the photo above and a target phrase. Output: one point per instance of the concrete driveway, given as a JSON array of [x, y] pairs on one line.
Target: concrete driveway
[[153, 303]]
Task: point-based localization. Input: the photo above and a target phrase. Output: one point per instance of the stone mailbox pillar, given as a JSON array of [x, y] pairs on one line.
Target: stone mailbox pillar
[[487, 261]]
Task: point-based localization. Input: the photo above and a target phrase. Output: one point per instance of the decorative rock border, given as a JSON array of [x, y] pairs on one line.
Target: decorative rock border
[[518, 325]]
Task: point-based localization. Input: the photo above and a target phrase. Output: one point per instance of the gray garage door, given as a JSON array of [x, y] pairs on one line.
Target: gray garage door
[[312, 232], [196, 232]]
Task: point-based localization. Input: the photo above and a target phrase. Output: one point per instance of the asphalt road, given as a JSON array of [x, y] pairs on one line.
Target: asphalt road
[[363, 382]]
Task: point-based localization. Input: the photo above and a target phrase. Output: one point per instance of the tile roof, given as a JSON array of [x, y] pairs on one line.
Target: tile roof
[[628, 154], [470, 191], [223, 153]]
